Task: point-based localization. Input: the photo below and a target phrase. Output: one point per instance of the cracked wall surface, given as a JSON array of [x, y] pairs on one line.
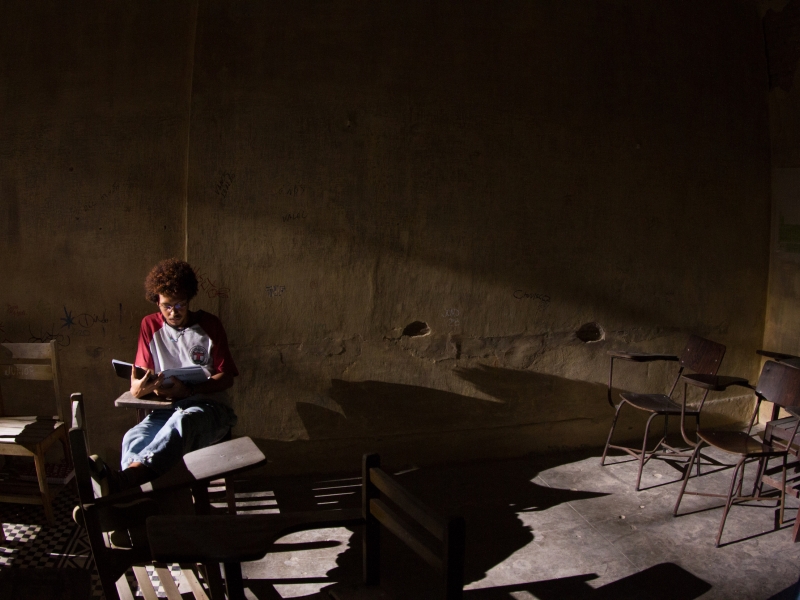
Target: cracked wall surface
[[423, 224]]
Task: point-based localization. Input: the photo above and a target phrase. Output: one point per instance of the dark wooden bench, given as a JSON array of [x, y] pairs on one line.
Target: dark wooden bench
[[231, 539], [438, 541]]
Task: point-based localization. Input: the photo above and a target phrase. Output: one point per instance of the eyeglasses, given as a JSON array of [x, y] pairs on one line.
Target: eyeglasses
[[178, 306]]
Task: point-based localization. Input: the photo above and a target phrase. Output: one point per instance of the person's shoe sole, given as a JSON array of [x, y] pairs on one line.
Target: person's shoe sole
[[100, 474]]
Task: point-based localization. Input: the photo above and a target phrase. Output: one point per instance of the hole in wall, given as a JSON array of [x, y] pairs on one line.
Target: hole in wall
[[416, 329], [590, 332]]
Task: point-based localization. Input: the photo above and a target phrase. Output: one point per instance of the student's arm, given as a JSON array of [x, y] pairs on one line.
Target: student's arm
[[148, 384], [218, 382]]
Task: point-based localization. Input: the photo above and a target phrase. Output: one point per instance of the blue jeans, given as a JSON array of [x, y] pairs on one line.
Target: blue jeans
[[165, 435]]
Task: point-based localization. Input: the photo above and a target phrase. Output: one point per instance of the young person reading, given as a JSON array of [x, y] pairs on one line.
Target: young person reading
[[200, 415]]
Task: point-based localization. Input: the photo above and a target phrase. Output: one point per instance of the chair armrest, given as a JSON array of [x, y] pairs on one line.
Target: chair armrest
[[780, 356], [207, 464], [715, 383], [641, 356], [199, 466], [635, 357], [78, 411], [233, 538], [149, 402]]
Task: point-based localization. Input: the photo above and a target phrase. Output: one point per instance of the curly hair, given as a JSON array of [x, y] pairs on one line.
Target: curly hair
[[171, 277]]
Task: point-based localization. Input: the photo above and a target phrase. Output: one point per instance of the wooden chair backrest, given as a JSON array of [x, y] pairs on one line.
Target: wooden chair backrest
[[79, 447], [448, 554], [780, 384], [97, 519], [702, 356], [36, 362]]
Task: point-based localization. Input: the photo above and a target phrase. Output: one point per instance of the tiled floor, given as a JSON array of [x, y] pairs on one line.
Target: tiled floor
[[537, 528]]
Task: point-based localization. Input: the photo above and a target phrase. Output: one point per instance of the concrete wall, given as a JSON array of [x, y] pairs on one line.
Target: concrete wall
[[782, 35], [508, 174]]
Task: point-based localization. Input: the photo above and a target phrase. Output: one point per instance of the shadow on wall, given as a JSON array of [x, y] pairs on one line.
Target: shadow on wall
[[528, 412]]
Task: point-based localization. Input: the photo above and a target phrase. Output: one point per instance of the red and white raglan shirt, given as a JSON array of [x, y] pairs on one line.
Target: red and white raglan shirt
[[203, 342]]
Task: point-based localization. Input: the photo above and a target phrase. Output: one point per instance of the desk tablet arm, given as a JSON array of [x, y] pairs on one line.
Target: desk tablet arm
[[641, 357], [777, 356], [714, 383], [709, 383]]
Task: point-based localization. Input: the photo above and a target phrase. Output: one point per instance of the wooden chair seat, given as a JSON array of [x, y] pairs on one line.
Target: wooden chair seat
[[735, 442], [654, 403], [27, 432]]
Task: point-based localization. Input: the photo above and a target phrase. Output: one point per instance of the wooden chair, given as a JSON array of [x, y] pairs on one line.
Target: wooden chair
[[232, 539], [385, 502], [781, 357], [699, 356], [144, 406], [32, 436], [116, 524], [779, 384]]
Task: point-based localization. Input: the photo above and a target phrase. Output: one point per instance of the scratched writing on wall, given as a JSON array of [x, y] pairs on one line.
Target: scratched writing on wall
[[296, 189], [210, 287], [453, 316], [523, 295], [274, 291], [15, 311], [44, 335], [301, 214], [83, 322], [224, 184]]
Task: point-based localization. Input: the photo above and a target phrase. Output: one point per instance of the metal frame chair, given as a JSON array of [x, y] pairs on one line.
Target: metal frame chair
[[779, 384], [699, 356]]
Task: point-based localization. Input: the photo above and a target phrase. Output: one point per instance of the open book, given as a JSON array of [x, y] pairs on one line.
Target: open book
[[191, 375]]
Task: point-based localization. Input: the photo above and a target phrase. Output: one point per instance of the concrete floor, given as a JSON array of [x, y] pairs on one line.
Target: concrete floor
[[545, 528]]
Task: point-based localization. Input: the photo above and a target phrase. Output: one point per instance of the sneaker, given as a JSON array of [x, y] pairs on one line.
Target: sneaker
[[77, 516], [105, 480]]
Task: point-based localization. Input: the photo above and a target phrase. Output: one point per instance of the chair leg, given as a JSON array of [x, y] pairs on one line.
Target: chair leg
[[686, 476], [122, 589], [783, 490], [230, 495], [610, 433], [738, 491], [696, 428], [44, 489], [738, 473], [644, 450], [233, 581], [796, 529], [216, 589]]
